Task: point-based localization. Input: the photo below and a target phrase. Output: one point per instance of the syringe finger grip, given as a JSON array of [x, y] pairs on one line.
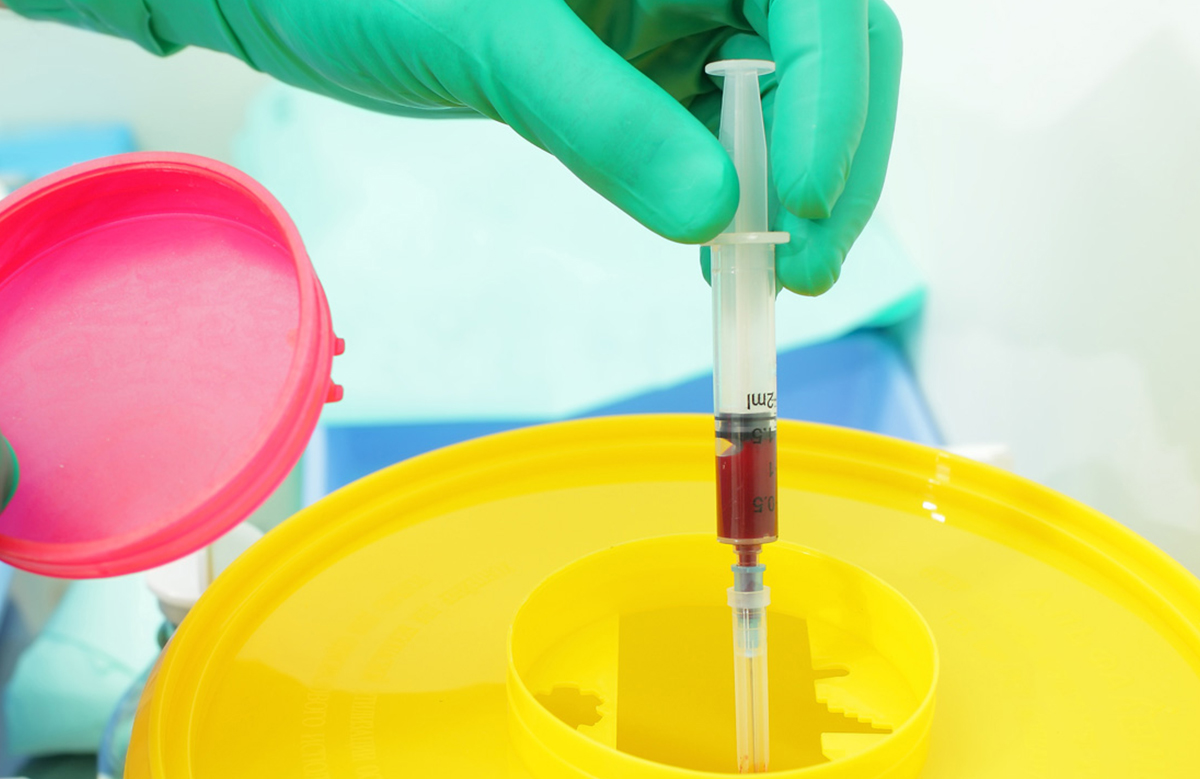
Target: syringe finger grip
[[758, 599]]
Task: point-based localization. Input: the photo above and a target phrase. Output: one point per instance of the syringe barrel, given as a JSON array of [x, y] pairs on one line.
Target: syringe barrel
[[743, 301], [744, 393]]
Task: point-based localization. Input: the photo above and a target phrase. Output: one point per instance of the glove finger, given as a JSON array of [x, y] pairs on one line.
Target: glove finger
[[812, 261], [821, 55], [606, 121]]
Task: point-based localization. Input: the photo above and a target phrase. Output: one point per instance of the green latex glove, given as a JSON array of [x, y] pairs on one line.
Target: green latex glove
[[613, 90], [8, 472]]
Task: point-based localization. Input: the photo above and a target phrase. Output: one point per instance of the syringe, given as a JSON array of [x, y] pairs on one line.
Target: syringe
[[743, 294]]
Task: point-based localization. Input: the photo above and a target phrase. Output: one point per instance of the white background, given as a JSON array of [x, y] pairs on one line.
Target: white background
[[1046, 178]]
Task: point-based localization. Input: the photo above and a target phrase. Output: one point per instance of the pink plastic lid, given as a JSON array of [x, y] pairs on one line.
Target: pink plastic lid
[[165, 350]]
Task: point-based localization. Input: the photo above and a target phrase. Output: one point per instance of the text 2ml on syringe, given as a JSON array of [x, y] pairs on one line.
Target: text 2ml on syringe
[[743, 297]]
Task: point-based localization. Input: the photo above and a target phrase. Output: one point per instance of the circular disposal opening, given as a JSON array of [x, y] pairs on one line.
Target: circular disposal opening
[[620, 665]]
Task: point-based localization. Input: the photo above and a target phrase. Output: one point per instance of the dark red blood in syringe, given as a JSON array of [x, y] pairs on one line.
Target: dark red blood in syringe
[[746, 481]]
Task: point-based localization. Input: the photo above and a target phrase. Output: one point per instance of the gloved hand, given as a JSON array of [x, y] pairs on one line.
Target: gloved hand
[[8, 472], [606, 87]]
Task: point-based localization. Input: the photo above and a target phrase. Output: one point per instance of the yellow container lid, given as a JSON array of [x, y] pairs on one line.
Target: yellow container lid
[[367, 636]]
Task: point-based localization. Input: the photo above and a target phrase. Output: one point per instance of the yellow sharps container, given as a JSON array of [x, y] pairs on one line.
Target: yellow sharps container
[[550, 604]]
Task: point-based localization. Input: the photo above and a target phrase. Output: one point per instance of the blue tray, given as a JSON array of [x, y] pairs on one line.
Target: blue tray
[[860, 380]]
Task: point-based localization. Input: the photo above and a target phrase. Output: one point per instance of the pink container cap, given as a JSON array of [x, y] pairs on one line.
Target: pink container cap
[[165, 350]]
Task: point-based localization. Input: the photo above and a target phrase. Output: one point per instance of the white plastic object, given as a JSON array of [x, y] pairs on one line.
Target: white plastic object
[[750, 679], [743, 256], [749, 598], [750, 689], [180, 583]]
